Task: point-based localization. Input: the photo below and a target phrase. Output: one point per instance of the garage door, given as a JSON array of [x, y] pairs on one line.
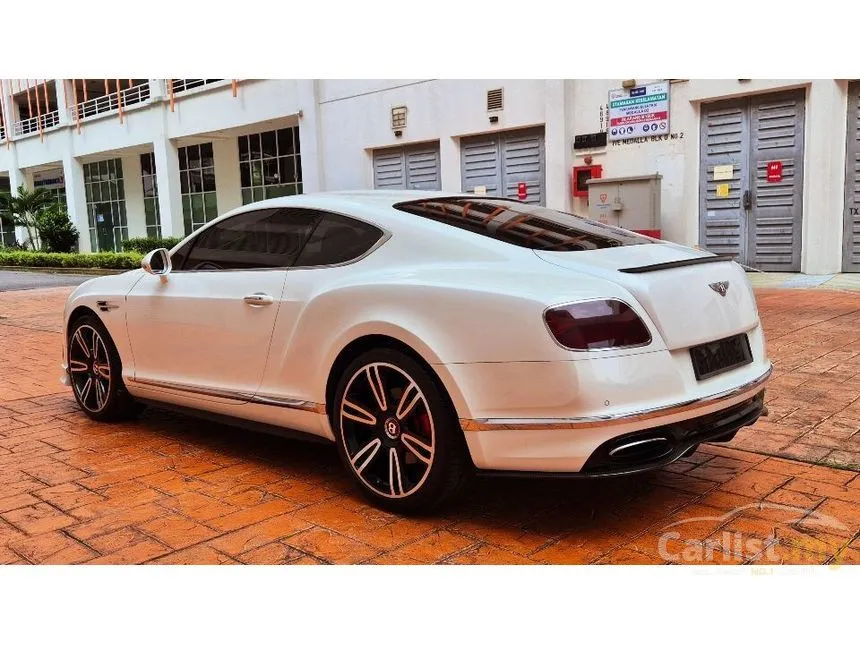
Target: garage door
[[743, 213], [851, 235], [500, 161], [407, 168]]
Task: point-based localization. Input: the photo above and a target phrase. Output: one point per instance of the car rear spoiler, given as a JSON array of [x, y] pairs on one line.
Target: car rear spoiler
[[648, 268]]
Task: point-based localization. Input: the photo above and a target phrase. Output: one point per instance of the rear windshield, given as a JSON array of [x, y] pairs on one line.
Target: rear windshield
[[526, 225]]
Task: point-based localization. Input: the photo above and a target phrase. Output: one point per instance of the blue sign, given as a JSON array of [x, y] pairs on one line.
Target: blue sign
[[637, 91]]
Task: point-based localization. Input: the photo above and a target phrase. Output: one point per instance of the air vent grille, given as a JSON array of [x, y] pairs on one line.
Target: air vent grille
[[495, 100]]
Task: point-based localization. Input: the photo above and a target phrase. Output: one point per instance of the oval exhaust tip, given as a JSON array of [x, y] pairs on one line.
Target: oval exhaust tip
[[642, 449]]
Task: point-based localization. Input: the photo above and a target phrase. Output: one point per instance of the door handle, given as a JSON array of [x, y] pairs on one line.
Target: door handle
[[258, 299], [747, 200]]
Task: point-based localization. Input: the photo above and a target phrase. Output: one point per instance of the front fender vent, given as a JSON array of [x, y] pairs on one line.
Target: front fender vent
[[106, 305]]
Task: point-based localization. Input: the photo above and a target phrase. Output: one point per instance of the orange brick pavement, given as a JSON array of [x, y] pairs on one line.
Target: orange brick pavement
[[169, 489]]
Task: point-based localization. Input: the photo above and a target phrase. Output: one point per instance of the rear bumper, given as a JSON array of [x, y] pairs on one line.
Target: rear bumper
[[646, 450], [612, 445]]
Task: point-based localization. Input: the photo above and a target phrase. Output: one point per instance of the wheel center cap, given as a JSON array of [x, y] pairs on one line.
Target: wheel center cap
[[391, 428]]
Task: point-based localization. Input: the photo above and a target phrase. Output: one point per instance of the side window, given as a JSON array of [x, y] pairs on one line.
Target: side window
[[262, 239], [177, 259], [338, 239]]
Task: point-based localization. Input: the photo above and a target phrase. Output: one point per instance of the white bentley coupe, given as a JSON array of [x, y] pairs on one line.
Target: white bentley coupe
[[430, 336]]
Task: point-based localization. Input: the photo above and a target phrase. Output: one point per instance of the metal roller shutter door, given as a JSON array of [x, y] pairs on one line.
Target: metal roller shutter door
[[499, 162], [407, 168], [851, 234]]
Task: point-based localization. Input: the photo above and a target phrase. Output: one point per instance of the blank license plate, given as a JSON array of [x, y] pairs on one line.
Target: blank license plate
[[720, 356]]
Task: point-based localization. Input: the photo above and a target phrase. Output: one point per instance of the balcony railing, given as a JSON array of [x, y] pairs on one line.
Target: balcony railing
[[109, 103], [28, 126], [184, 84]]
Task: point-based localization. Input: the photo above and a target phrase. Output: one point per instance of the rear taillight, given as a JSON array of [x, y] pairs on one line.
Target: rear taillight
[[596, 324]]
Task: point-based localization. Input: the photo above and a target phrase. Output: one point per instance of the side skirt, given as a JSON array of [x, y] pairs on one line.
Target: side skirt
[[244, 424]]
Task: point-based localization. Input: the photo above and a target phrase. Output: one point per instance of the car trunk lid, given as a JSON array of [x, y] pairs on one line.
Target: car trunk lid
[[692, 297]]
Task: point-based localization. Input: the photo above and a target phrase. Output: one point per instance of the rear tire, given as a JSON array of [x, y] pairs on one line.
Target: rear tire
[[398, 433], [95, 370]]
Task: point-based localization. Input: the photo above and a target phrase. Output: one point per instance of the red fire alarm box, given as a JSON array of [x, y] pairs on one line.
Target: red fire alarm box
[[581, 174], [522, 191]]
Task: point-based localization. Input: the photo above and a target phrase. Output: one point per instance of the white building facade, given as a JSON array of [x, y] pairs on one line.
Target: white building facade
[[154, 157]]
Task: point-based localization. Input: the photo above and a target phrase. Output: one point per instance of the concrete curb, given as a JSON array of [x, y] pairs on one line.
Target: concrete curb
[[66, 270]]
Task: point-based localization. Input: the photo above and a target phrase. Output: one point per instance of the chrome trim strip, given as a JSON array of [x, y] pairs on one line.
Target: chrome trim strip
[[575, 423], [284, 402], [235, 395]]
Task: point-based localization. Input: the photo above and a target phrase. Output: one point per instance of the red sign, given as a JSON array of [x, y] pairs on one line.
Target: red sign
[[774, 171], [640, 118], [522, 193]]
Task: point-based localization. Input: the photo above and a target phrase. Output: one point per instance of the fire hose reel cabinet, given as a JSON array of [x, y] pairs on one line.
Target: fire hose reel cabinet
[[629, 202]]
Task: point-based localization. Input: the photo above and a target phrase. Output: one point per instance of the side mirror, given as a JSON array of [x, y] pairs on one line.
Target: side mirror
[[157, 262]]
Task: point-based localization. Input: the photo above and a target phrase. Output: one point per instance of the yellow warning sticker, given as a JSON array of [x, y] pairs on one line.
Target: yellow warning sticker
[[722, 190]]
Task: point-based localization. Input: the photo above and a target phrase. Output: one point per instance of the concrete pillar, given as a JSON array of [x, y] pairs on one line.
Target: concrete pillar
[[9, 108], [64, 100], [134, 210], [824, 177], [558, 146], [313, 177], [169, 191], [18, 177], [449, 164], [228, 181], [157, 90], [76, 200]]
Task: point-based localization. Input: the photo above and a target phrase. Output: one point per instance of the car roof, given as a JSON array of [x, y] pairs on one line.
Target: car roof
[[356, 197]]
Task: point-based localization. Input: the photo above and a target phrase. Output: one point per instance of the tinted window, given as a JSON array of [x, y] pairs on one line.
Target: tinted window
[[529, 226], [262, 239], [338, 239]]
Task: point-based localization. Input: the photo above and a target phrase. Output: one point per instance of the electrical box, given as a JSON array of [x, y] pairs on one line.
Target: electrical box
[[629, 202]]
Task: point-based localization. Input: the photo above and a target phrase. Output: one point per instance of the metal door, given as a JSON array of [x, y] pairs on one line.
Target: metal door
[[104, 227], [851, 231], [414, 167], [741, 212], [501, 161]]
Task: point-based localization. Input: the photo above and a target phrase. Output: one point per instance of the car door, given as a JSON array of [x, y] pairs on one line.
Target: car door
[[205, 329], [337, 242]]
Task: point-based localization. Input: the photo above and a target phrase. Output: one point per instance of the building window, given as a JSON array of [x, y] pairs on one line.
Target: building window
[[270, 164], [55, 186], [105, 193], [150, 194], [197, 181], [7, 231]]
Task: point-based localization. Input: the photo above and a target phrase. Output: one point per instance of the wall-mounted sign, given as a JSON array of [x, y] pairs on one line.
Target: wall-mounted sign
[[774, 172], [480, 190], [639, 111], [722, 190], [721, 173], [593, 140]]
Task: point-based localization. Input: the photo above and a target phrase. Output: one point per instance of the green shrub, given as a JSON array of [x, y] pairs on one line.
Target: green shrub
[[56, 231], [70, 260], [146, 244]]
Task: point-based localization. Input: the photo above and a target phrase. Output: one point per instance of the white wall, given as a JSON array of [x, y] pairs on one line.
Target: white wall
[[678, 160], [443, 110], [342, 121]]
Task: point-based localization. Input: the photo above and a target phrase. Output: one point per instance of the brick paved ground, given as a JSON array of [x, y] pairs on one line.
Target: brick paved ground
[[167, 489]]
